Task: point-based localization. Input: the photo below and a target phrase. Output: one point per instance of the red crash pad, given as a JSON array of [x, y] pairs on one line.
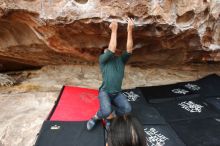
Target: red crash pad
[[75, 104]]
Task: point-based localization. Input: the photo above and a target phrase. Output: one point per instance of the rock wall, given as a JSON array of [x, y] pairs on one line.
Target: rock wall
[[35, 33]]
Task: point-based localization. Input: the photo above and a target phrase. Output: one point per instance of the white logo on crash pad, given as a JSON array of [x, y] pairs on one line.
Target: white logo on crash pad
[[131, 96], [192, 87], [87, 97], [180, 91], [154, 137], [191, 106], [55, 127]]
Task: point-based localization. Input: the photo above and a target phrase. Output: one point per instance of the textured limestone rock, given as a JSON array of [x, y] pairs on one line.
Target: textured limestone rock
[[167, 32], [6, 80], [22, 116]]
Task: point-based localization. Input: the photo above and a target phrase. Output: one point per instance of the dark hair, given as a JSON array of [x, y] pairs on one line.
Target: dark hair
[[126, 131]]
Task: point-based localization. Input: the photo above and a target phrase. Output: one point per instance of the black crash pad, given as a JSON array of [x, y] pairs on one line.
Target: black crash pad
[[197, 132], [185, 109], [55, 133], [214, 102], [210, 85], [161, 135], [143, 111], [157, 94]]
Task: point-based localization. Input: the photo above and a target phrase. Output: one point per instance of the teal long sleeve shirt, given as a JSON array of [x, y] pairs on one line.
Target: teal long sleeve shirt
[[112, 69]]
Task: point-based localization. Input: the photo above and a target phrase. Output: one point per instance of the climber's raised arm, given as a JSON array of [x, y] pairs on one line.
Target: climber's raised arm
[[125, 56], [113, 41], [112, 44], [129, 37]]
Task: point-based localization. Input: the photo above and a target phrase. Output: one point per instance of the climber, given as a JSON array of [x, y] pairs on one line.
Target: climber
[[112, 69]]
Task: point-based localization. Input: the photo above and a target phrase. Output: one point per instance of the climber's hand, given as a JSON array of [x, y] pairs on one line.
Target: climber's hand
[[113, 26], [130, 22]]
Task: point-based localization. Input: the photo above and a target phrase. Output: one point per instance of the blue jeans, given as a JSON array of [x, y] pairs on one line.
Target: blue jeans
[[117, 99]]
